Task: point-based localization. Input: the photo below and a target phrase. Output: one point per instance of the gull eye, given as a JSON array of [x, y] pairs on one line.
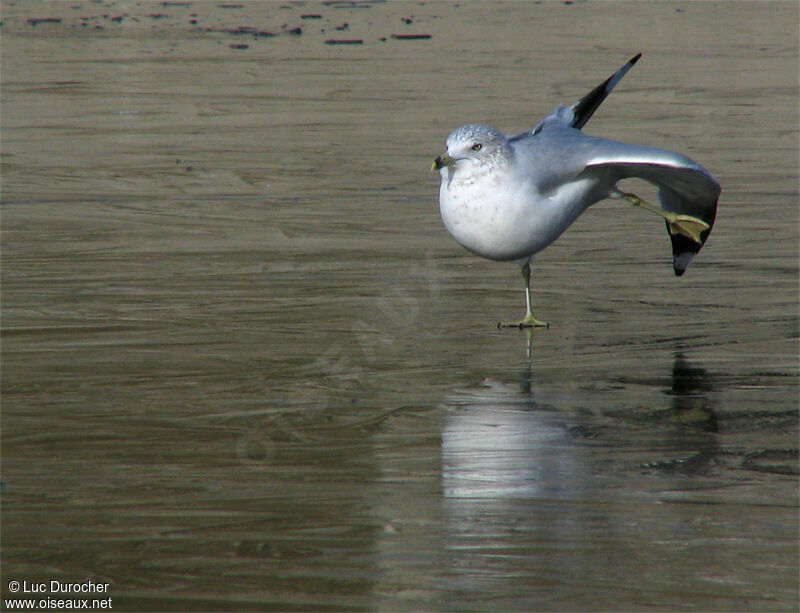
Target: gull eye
[[477, 147]]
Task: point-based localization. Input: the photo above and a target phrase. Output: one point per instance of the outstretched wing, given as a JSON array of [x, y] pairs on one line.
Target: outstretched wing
[[555, 153], [684, 187]]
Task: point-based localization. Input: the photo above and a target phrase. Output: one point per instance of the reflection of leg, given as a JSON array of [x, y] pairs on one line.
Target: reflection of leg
[[687, 225], [529, 321]]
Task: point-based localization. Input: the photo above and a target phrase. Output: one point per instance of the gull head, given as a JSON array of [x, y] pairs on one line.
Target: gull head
[[473, 147]]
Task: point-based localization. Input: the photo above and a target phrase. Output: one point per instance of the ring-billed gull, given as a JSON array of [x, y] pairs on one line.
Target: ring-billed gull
[[508, 197]]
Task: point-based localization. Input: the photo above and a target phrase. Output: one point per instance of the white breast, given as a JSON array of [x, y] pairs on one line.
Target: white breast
[[501, 223]]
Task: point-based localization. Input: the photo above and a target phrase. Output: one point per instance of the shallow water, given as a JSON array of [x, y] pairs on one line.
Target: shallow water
[[245, 368]]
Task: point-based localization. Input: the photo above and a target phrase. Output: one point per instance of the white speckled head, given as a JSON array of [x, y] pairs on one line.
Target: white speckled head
[[481, 145]]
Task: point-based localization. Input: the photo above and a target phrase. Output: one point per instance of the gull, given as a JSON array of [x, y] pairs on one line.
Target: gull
[[506, 198]]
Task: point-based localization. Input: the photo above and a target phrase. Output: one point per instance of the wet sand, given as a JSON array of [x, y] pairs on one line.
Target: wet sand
[[244, 367]]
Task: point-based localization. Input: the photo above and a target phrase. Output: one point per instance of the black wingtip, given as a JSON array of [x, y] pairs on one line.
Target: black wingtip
[[586, 106]]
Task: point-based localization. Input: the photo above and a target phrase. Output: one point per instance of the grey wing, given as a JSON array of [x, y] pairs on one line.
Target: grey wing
[[684, 187], [554, 156]]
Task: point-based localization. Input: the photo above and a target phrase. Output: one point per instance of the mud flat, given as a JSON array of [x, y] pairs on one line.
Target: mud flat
[[245, 368]]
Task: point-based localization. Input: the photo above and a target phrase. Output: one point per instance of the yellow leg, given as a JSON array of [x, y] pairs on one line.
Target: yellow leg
[[529, 321], [687, 225]]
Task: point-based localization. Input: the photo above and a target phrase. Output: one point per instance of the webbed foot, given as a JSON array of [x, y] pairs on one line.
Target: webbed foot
[[529, 321], [687, 225]]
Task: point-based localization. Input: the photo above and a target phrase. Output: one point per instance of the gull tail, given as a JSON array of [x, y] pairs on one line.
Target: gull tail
[[586, 106]]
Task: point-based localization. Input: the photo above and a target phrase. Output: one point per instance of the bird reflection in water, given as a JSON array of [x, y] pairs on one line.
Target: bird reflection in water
[[500, 441], [691, 405]]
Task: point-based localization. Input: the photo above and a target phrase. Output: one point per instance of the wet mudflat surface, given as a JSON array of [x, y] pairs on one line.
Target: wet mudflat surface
[[245, 368]]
